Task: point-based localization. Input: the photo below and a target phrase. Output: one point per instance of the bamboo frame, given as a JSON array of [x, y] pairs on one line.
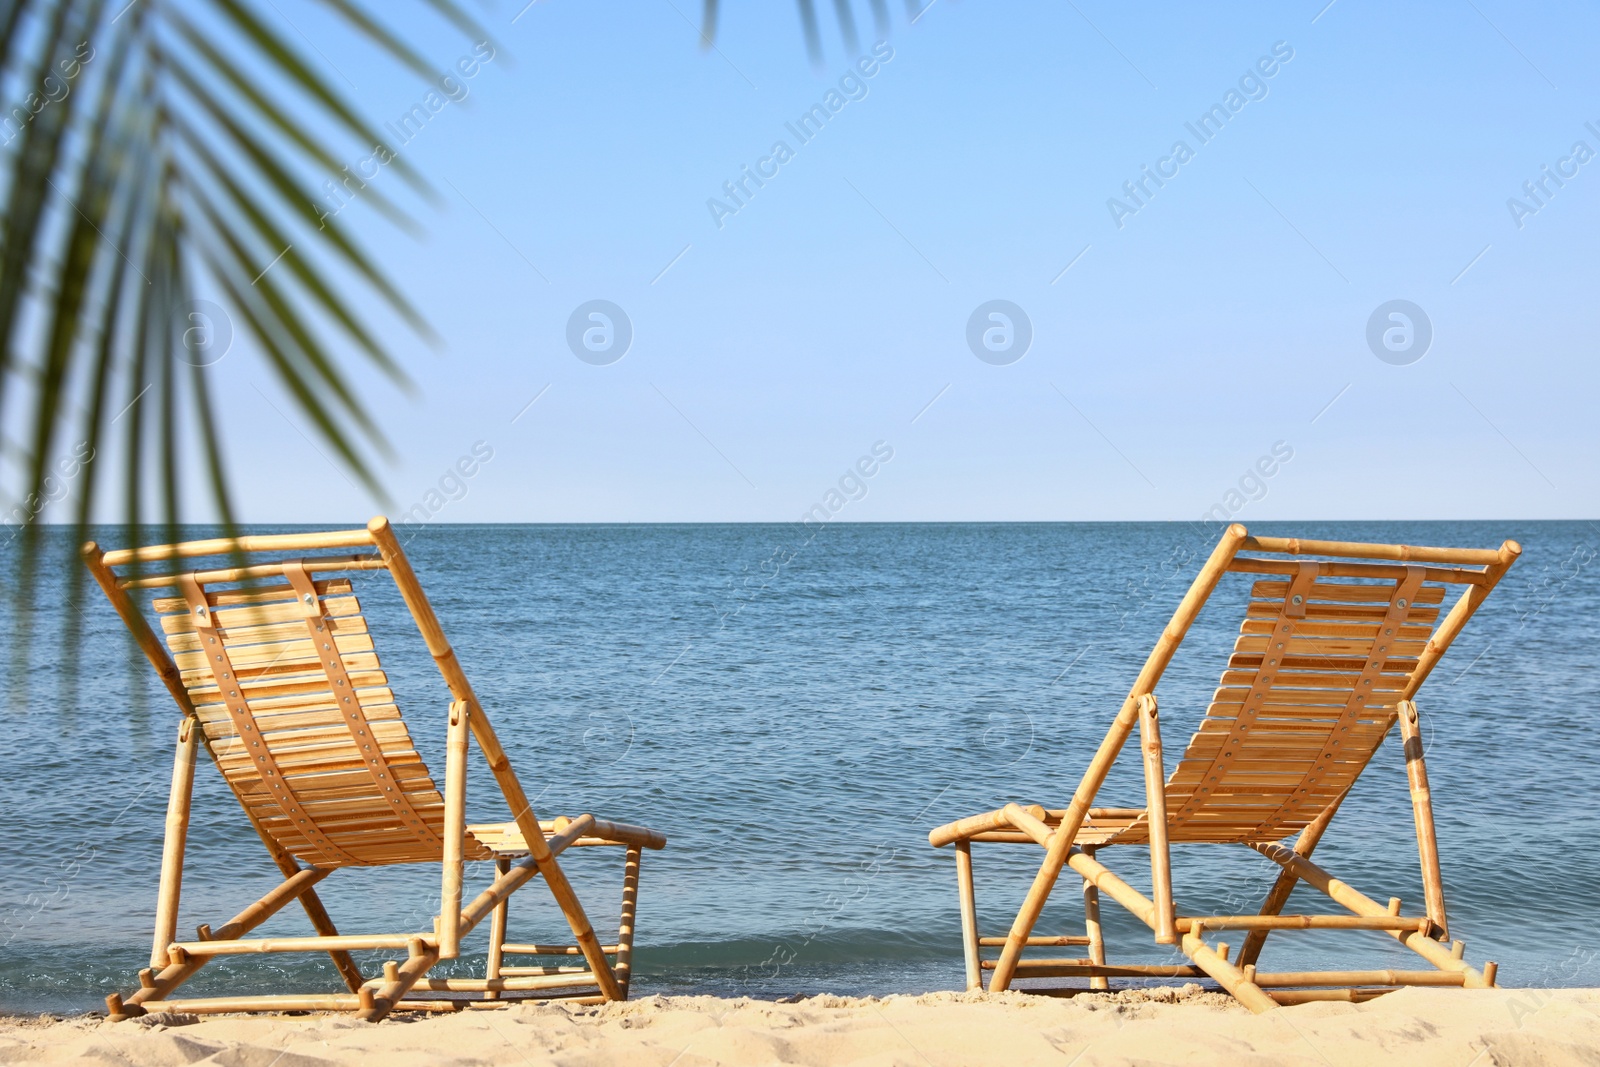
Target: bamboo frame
[[1093, 933], [175, 842], [1060, 833], [607, 967], [969, 914], [1422, 815], [1155, 777], [455, 832], [630, 908], [497, 932]]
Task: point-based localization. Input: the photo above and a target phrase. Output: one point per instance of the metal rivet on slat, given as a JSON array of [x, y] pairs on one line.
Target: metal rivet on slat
[[1401, 602], [1297, 599]]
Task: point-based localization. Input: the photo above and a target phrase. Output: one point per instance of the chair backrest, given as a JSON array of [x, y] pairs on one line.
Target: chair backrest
[[1327, 650], [280, 670]]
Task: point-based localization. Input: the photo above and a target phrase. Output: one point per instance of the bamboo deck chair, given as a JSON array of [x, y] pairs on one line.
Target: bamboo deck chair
[[1330, 655], [316, 752]]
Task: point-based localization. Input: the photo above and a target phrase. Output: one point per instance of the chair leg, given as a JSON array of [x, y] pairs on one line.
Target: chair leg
[[1227, 975], [1422, 813], [1091, 927], [969, 915], [630, 906], [157, 984], [177, 836], [1156, 804], [497, 932], [397, 983]]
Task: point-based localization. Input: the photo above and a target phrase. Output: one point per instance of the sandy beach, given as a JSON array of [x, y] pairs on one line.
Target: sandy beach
[[1418, 1027]]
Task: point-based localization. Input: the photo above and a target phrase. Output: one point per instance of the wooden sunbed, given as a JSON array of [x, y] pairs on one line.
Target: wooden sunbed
[[1329, 657], [271, 661]]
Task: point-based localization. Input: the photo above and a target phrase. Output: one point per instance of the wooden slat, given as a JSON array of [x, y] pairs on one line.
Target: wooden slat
[[1284, 661], [286, 667], [253, 615], [319, 701], [1259, 644], [277, 631], [1352, 612], [1352, 631], [1349, 592], [334, 780], [295, 720], [257, 654], [1301, 697], [254, 595], [272, 687]]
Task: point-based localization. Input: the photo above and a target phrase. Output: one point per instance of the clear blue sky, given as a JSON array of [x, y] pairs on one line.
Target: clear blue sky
[[1226, 316]]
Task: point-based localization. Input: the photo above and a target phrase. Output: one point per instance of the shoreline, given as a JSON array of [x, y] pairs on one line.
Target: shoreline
[[1416, 1026]]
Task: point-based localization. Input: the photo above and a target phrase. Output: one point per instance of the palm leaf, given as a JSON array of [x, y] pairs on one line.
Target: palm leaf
[[844, 15], [176, 163]]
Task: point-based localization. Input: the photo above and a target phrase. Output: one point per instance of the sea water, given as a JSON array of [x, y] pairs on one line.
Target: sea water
[[795, 709]]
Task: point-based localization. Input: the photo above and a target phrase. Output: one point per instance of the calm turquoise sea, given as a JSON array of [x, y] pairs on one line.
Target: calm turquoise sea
[[796, 712]]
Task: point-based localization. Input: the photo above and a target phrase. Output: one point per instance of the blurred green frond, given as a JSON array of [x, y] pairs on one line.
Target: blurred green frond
[[844, 16], [153, 151]]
